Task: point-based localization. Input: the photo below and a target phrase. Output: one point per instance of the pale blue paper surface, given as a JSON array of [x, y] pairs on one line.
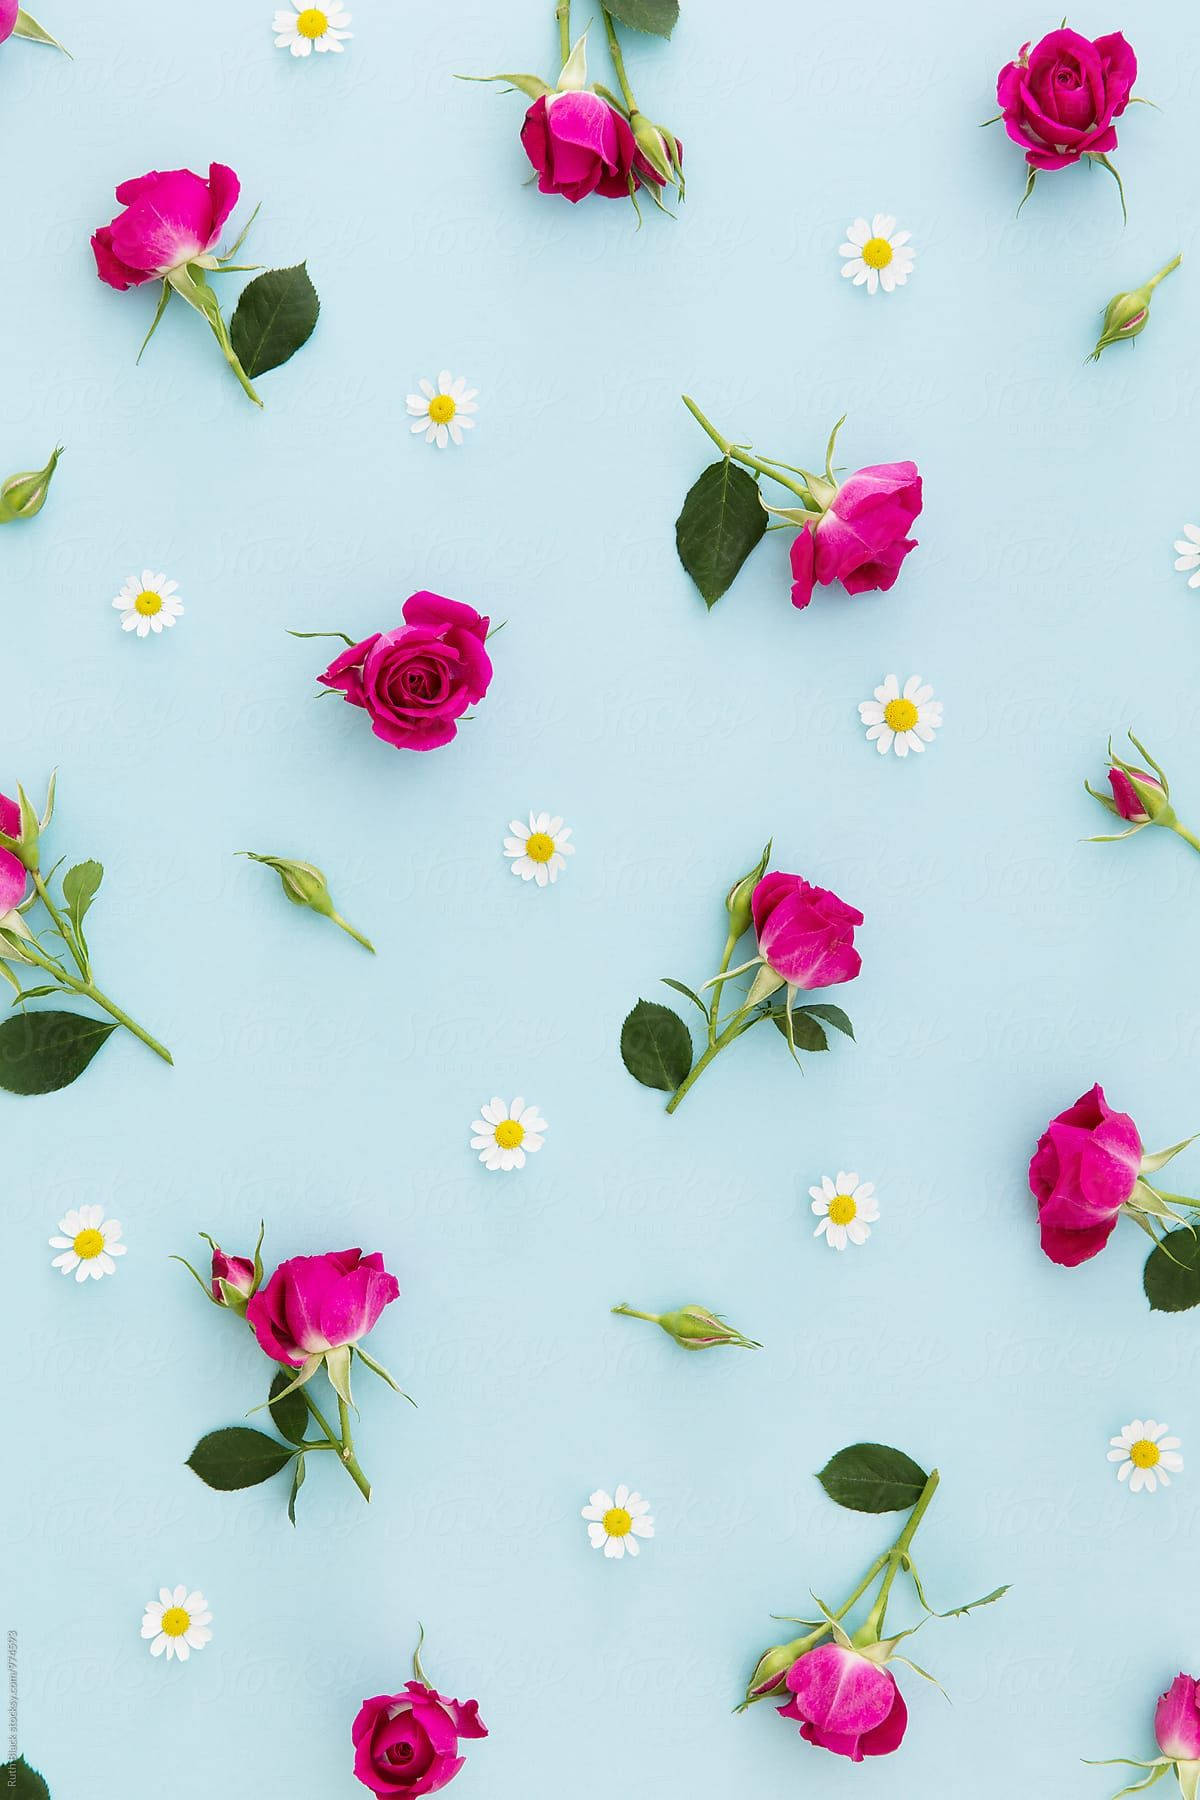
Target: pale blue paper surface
[[1007, 966]]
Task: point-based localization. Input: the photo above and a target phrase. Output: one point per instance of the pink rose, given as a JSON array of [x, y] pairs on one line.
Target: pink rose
[[845, 1703], [313, 1304], [8, 18], [862, 539], [805, 933], [1177, 1721], [237, 1272], [407, 1743], [579, 145], [170, 219], [1083, 1171], [13, 876], [1125, 794], [1059, 100], [416, 681]]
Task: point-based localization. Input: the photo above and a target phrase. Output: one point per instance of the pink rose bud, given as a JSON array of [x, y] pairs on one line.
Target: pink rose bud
[[579, 145], [407, 1743], [1083, 1171], [845, 1703], [313, 1304], [862, 538], [232, 1278], [1059, 99], [170, 219], [13, 875], [694, 1328], [1177, 1720], [805, 933], [417, 681], [1125, 796]]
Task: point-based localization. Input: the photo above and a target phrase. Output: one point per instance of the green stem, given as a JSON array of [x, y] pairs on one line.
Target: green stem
[[726, 958], [895, 1559], [64, 929], [1189, 837], [356, 935], [348, 1456], [618, 60], [562, 13], [90, 991], [343, 1445], [731, 1031], [631, 1312], [740, 455], [1170, 268]]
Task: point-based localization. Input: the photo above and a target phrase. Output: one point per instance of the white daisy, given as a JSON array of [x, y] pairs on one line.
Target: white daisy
[[877, 254], [539, 849], [1146, 1455], [441, 412], [149, 604], [617, 1521], [505, 1133], [908, 720], [88, 1244], [309, 28], [1188, 559], [178, 1622], [846, 1208]]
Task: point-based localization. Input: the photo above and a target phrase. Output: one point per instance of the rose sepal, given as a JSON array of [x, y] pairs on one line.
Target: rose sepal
[[33, 33], [532, 85]]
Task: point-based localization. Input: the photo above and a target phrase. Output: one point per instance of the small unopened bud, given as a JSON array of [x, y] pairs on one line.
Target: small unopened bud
[[768, 1677], [234, 1280], [21, 496], [660, 148], [694, 1328], [737, 900], [1127, 798], [1126, 315], [305, 885]]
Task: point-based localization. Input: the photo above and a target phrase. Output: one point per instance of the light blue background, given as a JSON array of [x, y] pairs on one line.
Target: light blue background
[[1006, 965]]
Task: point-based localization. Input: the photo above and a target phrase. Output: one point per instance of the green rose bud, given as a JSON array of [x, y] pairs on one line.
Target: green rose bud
[[305, 885], [693, 1328], [660, 148], [21, 496], [737, 900], [1128, 314]]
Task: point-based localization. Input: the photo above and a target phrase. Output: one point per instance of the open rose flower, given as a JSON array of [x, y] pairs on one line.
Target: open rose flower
[[13, 875], [9, 11], [845, 1703], [170, 219], [1083, 1171], [1177, 1720], [579, 145], [417, 681], [805, 933], [313, 1304], [862, 538], [1059, 100], [407, 1743]]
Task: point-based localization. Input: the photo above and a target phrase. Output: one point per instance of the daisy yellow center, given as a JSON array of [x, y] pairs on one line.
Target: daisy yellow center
[[539, 847], [842, 1209], [901, 715], [877, 253], [88, 1244], [148, 603], [1144, 1454], [175, 1621], [442, 409], [312, 23], [509, 1134], [617, 1522]]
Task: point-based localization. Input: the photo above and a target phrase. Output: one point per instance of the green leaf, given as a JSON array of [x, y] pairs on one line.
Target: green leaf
[[656, 1046], [1172, 1274], [80, 886], [832, 1015], [43, 1051], [682, 988], [722, 520], [806, 1033], [289, 1413], [297, 1484], [238, 1458], [276, 314], [21, 1782], [658, 16], [873, 1478]]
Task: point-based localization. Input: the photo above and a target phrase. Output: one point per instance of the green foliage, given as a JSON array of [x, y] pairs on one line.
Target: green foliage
[[722, 520], [43, 1051], [656, 1046], [873, 1478]]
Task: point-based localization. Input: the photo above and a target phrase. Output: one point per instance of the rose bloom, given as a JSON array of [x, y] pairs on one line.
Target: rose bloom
[[8, 18], [13, 876], [1083, 1171], [417, 681], [579, 145], [169, 220], [407, 1743], [1177, 1720], [1059, 99], [805, 933], [845, 1703], [313, 1304], [862, 539]]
